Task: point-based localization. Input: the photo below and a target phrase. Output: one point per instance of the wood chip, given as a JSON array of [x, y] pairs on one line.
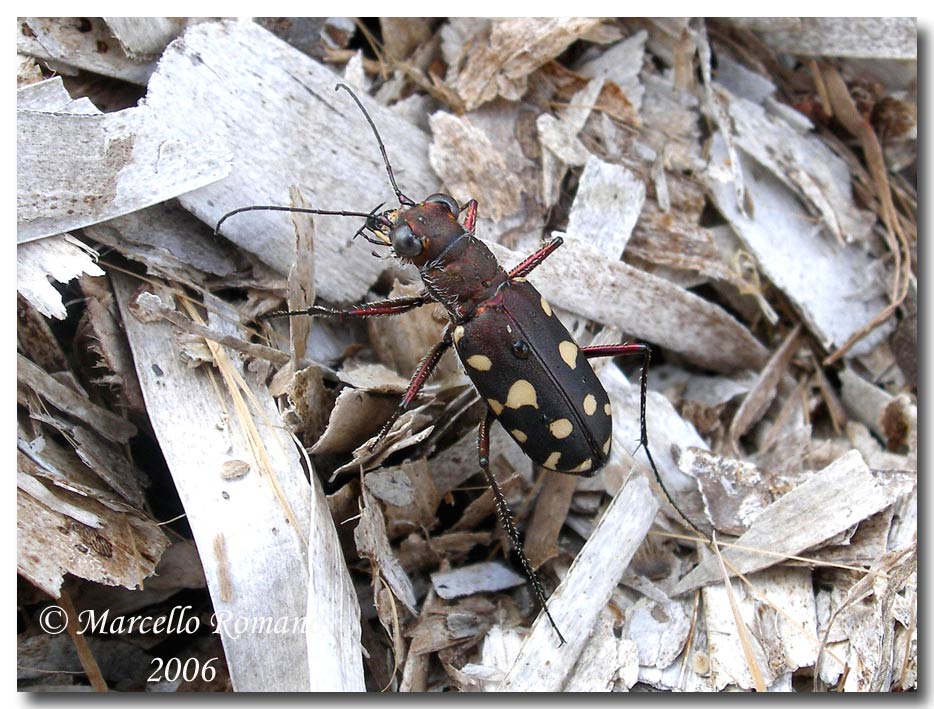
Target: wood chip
[[74, 171], [734, 491], [169, 241], [301, 276], [144, 37], [410, 496], [64, 533], [356, 417], [674, 239], [804, 163], [863, 400], [621, 64], [777, 532], [62, 258], [83, 43], [372, 543], [109, 425], [551, 510], [36, 340], [659, 630], [608, 202], [500, 64], [544, 666], [464, 157], [335, 652], [791, 259], [598, 666], [560, 138], [266, 566], [485, 577], [877, 37], [764, 388]]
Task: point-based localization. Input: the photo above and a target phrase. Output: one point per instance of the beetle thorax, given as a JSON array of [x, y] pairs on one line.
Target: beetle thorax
[[462, 277]]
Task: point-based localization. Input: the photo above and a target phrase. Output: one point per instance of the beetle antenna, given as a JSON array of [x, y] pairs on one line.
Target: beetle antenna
[[382, 149], [301, 210]]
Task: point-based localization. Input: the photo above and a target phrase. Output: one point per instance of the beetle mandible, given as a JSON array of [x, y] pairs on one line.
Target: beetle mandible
[[535, 379]]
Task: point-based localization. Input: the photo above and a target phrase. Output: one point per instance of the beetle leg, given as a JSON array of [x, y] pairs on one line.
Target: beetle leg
[[646, 353], [620, 351], [422, 374], [391, 306], [530, 262], [470, 221], [505, 517]]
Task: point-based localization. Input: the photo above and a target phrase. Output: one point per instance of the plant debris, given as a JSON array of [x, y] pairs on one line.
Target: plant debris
[[741, 194]]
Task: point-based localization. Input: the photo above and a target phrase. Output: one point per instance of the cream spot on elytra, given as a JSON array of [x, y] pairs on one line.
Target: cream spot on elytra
[[521, 393], [495, 406], [546, 307], [607, 409], [519, 435], [552, 461], [458, 334], [561, 428], [583, 467], [568, 351], [590, 404], [481, 363], [606, 446]]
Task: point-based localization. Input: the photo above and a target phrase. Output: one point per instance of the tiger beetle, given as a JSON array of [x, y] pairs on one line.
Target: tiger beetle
[[535, 380]]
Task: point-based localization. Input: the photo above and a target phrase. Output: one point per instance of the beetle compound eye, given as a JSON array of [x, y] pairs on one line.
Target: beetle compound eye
[[404, 241], [447, 201]]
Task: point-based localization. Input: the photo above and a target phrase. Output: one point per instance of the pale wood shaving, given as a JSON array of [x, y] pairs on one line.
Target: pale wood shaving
[[144, 38], [608, 202], [263, 547], [878, 37], [818, 499], [109, 425], [61, 258], [764, 388], [484, 577], [83, 43], [500, 64], [74, 170], [122, 550], [542, 665], [457, 144], [777, 211], [372, 543]]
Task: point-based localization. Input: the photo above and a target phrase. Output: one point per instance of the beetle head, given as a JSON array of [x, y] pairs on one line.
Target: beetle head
[[420, 234]]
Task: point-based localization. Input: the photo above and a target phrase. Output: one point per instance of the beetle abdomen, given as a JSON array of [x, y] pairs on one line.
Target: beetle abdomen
[[529, 371]]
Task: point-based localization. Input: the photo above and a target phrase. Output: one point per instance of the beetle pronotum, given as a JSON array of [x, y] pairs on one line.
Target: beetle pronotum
[[535, 379]]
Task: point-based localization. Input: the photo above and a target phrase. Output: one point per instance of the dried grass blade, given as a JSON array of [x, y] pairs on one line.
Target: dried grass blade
[[741, 629]]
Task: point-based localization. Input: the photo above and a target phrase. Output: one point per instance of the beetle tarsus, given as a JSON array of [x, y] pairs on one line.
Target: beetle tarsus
[[505, 518], [645, 352]]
